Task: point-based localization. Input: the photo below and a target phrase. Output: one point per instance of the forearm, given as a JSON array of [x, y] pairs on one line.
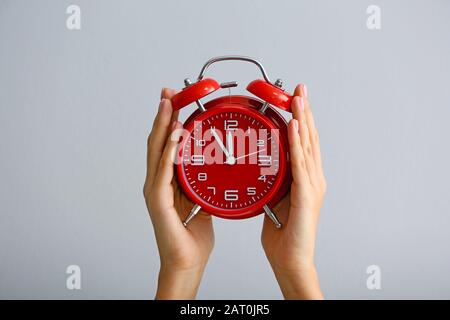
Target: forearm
[[300, 284], [178, 285]]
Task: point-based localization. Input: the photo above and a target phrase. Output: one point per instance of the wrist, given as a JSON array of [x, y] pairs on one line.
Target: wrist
[[299, 283], [178, 284]]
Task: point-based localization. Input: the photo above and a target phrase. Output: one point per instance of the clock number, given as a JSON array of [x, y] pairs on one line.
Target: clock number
[[202, 176], [213, 189], [231, 195], [197, 160], [251, 191], [264, 160], [260, 143], [230, 124], [200, 142], [262, 178]]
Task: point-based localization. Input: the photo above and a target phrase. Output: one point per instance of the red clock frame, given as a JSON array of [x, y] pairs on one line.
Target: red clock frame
[[270, 119]]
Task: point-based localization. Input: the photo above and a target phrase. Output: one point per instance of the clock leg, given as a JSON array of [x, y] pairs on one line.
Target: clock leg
[[264, 107], [195, 209], [187, 83], [272, 216]]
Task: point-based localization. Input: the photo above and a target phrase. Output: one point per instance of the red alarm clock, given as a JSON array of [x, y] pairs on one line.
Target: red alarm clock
[[234, 161]]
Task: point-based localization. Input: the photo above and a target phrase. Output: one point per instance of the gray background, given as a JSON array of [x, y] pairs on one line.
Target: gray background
[[76, 108]]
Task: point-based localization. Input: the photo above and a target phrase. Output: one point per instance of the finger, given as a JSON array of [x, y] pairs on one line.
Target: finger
[[167, 93], [299, 107], [296, 111], [313, 137], [298, 164], [165, 169], [301, 91], [158, 137], [175, 116], [162, 186]]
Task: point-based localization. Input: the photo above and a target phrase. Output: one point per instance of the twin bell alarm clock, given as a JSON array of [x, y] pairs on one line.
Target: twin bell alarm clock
[[234, 161]]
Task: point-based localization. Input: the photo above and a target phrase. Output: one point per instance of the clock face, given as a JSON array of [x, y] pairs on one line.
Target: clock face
[[232, 163]]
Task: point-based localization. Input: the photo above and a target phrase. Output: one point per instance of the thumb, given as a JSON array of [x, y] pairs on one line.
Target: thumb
[[166, 215], [165, 169]]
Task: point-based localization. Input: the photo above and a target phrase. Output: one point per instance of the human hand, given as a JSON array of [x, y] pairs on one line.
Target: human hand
[[183, 251], [290, 250]]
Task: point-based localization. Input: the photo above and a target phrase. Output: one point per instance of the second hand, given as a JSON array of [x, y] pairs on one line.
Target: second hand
[[249, 154]]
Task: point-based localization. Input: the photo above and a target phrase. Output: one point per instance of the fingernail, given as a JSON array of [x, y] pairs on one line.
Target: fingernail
[[302, 103], [162, 93], [295, 124], [161, 104], [304, 91]]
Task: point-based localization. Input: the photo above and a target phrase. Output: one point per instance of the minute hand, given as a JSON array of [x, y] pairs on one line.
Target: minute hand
[[230, 144], [219, 142]]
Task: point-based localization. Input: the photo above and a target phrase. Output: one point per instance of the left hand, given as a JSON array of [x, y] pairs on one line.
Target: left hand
[[290, 250], [183, 251]]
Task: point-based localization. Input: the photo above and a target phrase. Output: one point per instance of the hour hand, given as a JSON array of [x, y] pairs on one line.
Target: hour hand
[[219, 142]]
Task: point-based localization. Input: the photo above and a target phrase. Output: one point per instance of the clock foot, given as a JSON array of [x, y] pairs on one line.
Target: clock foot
[[272, 216], [195, 209]]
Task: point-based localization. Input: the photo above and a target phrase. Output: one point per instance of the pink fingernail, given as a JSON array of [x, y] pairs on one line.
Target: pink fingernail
[[161, 104], [304, 91]]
